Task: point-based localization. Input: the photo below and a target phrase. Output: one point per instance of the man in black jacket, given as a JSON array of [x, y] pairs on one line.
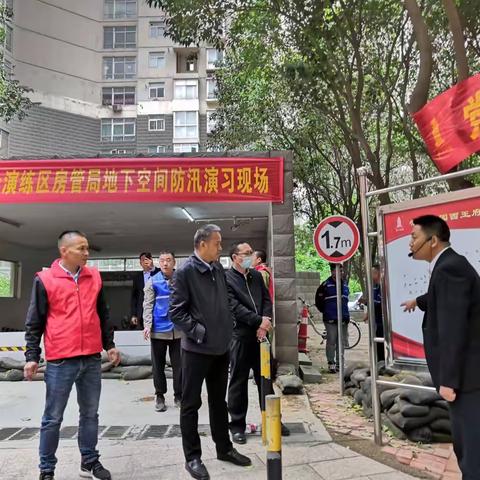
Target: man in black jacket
[[139, 281], [199, 306], [252, 309], [451, 331]]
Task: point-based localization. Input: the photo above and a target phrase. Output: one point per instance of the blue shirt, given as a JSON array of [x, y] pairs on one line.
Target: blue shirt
[[74, 276]]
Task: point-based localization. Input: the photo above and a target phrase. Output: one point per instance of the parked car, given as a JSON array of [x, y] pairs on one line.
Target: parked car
[[353, 302]]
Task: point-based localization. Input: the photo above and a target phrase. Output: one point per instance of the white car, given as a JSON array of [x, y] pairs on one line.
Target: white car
[[353, 305]]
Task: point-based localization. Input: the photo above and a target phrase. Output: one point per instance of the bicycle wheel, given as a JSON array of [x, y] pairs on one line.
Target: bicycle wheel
[[354, 335]]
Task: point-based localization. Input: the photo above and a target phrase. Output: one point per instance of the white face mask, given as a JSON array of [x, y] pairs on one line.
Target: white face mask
[[247, 262]]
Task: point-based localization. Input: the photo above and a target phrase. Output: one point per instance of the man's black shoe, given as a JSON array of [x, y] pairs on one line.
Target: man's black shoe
[[94, 470], [160, 403], [285, 431], [234, 457], [178, 402], [197, 469], [46, 476], [239, 437]]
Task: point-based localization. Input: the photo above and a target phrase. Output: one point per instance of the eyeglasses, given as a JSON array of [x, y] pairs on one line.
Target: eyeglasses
[[245, 254]]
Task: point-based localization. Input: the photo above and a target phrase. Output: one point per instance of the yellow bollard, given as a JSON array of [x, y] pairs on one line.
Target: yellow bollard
[[274, 438], [265, 384]]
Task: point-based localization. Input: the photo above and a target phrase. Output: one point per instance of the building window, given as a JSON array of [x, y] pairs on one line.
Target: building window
[[8, 278], [214, 58], [157, 29], [185, 125], [211, 88], [157, 90], [156, 60], [119, 68], [120, 9], [118, 129], [8, 38], [120, 37], [186, 89], [118, 96], [156, 123], [157, 149], [185, 147], [119, 152]]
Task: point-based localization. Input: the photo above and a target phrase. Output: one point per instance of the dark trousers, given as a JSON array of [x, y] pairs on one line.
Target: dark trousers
[[196, 368], [465, 419], [380, 346], [244, 355], [159, 354]]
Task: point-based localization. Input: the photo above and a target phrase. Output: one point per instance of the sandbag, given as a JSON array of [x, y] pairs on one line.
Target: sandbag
[[111, 376], [107, 366], [408, 409], [442, 404], [289, 384], [350, 391], [441, 425], [359, 376], [7, 363], [358, 397], [420, 397], [11, 376], [440, 413], [396, 432], [352, 366], [425, 378], [421, 434], [409, 423], [134, 372], [441, 437], [131, 360], [388, 397], [367, 409]]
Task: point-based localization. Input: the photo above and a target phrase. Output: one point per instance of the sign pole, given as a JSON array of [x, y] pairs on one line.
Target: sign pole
[[340, 359]]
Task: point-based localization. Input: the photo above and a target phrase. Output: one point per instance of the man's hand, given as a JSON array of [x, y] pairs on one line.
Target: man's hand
[[261, 334], [448, 394], [146, 333], [266, 324], [114, 356], [410, 305], [30, 369], [134, 321]]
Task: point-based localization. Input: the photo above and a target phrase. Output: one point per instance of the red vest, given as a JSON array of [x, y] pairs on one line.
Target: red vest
[[263, 268], [73, 324]]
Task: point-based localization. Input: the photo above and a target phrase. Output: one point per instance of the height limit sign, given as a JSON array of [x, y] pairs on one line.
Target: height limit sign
[[336, 238]]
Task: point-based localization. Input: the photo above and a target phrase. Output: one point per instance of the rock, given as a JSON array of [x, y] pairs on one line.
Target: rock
[[441, 425], [420, 397], [286, 369], [388, 397], [359, 376], [408, 409], [396, 432], [7, 363], [11, 376], [421, 434], [352, 366], [289, 384]]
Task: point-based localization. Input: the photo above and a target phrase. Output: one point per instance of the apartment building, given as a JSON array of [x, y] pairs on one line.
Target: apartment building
[[105, 81]]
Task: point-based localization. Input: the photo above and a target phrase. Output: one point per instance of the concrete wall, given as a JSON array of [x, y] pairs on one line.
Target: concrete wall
[[307, 284]]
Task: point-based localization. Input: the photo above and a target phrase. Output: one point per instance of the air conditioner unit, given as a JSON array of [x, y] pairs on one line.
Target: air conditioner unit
[[117, 108]]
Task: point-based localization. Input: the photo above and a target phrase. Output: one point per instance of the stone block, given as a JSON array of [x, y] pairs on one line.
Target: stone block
[[284, 245], [284, 267], [310, 374], [282, 223], [285, 288], [303, 359]]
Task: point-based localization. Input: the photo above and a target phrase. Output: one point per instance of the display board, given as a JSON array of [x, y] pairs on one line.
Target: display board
[[405, 278]]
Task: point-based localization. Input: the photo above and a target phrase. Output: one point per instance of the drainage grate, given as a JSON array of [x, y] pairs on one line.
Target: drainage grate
[[115, 431], [25, 434], [7, 432], [154, 431]]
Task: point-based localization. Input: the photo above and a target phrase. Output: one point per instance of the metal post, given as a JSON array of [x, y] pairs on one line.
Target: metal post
[[265, 384], [274, 436], [340, 359], [377, 421]]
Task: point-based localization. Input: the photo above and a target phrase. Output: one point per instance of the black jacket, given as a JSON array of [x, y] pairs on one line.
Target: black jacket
[[37, 320], [199, 307], [137, 294], [451, 324], [250, 301]]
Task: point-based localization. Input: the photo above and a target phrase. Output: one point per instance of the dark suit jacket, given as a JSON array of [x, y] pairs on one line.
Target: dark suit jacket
[[137, 294], [451, 324]]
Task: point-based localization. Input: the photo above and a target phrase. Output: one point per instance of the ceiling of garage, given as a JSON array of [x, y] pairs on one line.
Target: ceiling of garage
[[124, 229]]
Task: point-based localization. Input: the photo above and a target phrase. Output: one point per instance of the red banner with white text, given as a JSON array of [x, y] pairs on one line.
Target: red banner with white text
[[450, 124], [142, 180]]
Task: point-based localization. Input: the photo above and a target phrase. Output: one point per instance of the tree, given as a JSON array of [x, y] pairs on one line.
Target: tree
[[13, 99]]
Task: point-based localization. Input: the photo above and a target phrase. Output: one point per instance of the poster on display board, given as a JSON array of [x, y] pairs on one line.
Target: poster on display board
[[406, 278]]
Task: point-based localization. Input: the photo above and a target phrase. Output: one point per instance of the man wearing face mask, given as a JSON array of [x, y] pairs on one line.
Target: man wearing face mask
[[451, 333], [252, 308]]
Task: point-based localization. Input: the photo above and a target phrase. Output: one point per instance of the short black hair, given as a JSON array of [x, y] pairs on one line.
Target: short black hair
[[204, 233], [433, 226], [262, 255], [234, 249], [68, 233], [145, 254], [167, 252]]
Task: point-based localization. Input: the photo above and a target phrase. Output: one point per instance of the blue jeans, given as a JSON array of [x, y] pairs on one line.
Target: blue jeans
[[60, 376]]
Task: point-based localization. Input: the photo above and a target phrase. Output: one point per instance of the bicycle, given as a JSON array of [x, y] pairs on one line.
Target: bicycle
[[354, 333]]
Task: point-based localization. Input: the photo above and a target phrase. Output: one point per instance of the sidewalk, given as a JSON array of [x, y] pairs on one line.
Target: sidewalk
[[138, 443]]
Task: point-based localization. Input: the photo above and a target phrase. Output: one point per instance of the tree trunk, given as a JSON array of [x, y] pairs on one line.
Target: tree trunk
[[420, 93]]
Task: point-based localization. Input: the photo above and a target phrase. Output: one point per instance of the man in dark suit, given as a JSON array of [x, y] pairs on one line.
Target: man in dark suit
[[139, 281], [451, 331]]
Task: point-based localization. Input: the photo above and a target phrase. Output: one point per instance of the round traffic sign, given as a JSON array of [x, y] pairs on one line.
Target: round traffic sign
[[336, 238]]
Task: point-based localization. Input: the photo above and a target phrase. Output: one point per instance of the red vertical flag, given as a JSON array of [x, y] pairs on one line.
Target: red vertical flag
[[450, 124]]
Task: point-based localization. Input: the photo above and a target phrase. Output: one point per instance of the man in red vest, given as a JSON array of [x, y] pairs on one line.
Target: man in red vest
[[260, 264], [68, 308]]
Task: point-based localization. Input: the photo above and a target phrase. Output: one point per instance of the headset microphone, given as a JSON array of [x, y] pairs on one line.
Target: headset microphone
[[411, 254]]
